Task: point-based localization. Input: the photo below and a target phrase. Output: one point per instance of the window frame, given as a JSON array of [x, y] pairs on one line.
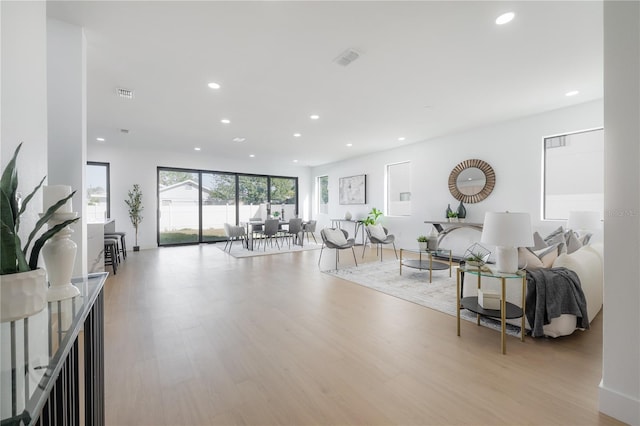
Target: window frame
[[319, 194], [387, 195], [544, 178], [107, 167]]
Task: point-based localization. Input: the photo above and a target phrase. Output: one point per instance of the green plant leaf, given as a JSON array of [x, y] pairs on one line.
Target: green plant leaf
[[26, 201], [9, 184], [39, 243]]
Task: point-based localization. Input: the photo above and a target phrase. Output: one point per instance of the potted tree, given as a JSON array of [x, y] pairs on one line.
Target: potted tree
[[23, 286], [135, 208]]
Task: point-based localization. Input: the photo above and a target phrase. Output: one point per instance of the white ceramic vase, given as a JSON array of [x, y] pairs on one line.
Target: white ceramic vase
[[22, 295], [423, 245], [59, 254], [347, 216]]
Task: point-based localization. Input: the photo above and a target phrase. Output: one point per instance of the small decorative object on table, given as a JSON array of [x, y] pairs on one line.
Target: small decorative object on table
[[347, 215], [453, 216], [462, 212], [447, 214], [423, 242], [476, 255]]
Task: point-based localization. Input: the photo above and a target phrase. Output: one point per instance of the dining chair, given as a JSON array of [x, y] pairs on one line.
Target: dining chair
[[310, 228], [233, 233], [379, 235], [269, 233], [337, 239], [294, 232]]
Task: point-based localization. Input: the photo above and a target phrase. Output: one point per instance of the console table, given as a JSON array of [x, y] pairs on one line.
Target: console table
[[444, 227], [51, 372]]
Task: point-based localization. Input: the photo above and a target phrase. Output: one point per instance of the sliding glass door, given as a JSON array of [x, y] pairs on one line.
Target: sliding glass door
[[253, 196], [179, 199], [194, 205], [218, 205]]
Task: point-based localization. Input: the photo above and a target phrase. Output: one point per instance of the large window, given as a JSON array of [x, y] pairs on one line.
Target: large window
[[573, 174], [399, 189], [323, 194], [98, 198], [194, 205]]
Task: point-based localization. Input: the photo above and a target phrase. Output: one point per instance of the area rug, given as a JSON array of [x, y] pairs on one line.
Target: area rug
[[239, 251], [414, 286]]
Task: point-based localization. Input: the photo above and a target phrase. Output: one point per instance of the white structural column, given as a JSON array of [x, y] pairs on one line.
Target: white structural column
[[67, 113], [620, 386]]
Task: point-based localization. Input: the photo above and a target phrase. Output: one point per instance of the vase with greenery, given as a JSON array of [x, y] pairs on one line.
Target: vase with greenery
[[423, 242], [23, 285], [373, 217], [453, 216], [135, 209]]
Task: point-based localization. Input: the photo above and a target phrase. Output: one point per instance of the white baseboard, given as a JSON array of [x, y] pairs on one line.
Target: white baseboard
[[619, 406]]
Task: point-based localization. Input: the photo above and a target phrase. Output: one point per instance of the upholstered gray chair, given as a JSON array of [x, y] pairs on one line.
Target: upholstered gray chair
[[337, 239], [233, 233], [379, 235], [269, 233], [294, 232], [310, 228]]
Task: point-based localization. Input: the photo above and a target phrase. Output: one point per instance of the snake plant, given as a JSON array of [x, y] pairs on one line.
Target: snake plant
[[13, 257]]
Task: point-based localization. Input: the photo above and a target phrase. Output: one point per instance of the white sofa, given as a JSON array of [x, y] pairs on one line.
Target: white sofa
[[585, 262]]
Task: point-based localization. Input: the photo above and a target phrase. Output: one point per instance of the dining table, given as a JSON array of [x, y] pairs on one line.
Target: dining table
[[252, 224]]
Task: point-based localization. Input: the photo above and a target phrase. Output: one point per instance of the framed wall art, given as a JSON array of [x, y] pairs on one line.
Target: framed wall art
[[353, 189]]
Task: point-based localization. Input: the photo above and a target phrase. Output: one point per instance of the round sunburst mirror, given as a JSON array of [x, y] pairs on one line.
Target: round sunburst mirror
[[472, 181]]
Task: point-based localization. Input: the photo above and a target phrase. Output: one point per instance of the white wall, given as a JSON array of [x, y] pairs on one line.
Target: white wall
[[620, 386], [129, 166], [514, 149], [23, 118], [66, 97]]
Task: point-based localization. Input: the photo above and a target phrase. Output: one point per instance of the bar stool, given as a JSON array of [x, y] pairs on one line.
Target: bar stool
[[110, 254], [123, 244]]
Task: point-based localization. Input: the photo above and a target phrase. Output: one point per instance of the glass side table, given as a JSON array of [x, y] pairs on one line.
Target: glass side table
[[507, 310], [426, 264]]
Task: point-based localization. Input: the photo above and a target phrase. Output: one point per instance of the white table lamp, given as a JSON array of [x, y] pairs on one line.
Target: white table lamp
[[507, 231], [583, 221]]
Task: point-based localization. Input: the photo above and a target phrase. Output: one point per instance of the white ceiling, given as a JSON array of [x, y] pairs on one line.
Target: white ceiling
[[426, 69]]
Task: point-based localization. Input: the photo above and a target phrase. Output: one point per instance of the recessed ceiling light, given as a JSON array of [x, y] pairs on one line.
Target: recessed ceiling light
[[401, 138], [225, 121], [239, 139], [572, 93], [505, 18], [197, 148], [100, 139], [251, 155], [349, 145], [314, 116], [213, 85], [295, 161], [296, 135]]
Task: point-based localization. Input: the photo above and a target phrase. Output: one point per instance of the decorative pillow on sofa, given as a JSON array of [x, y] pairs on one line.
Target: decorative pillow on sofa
[[377, 232], [335, 236], [572, 241], [536, 259]]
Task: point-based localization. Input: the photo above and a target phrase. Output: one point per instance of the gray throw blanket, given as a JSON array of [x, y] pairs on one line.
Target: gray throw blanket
[[551, 293]]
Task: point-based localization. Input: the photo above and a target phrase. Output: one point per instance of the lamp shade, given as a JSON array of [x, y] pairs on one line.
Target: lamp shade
[[507, 229], [583, 220]]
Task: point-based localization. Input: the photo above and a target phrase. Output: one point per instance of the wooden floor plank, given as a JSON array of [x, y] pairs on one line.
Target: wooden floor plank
[[197, 337]]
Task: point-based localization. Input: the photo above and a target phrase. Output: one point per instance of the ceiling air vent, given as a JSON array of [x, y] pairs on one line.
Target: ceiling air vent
[[125, 131], [346, 57], [124, 93]]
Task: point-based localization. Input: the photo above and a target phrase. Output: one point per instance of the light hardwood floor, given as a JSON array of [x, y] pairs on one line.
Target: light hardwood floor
[[194, 336]]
